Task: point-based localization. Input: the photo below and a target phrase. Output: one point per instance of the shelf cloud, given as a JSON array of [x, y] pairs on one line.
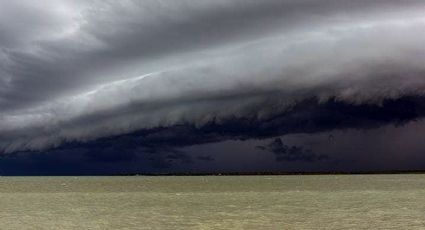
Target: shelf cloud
[[81, 71]]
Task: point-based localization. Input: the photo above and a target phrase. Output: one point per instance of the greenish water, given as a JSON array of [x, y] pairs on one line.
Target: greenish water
[[227, 202]]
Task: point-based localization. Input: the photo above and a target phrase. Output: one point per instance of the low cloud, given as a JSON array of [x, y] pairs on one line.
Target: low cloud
[[309, 116], [284, 152]]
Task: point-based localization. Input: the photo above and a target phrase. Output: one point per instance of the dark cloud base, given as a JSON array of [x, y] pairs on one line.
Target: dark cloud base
[[159, 148], [289, 153], [309, 116]]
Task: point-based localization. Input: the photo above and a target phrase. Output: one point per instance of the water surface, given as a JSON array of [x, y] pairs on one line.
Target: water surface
[[211, 202]]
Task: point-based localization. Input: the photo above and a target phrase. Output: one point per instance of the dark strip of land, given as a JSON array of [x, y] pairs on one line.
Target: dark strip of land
[[276, 173]]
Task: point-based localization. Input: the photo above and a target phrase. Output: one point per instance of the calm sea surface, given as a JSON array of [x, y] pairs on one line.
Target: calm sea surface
[[226, 202]]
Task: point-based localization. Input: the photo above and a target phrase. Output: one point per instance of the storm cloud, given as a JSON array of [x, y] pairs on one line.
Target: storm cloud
[[285, 152], [81, 71]]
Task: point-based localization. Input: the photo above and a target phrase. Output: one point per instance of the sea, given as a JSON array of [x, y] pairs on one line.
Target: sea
[[214, 202]]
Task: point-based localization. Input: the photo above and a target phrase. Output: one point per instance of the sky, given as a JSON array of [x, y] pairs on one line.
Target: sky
[[211, 86]]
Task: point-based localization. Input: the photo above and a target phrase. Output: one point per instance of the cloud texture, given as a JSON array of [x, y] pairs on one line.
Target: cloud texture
[[77, 71]]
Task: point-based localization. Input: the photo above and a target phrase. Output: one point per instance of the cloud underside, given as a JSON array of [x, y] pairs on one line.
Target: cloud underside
[[197, 78], [309, 116]]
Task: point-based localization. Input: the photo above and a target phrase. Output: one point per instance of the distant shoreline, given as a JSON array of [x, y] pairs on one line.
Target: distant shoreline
[[274, 173], [394, 172]]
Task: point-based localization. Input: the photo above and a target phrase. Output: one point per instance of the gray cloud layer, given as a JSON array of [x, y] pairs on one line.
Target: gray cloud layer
[[82, 70]]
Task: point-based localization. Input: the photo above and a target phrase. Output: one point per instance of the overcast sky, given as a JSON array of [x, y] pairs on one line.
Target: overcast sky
[[155, 85]]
